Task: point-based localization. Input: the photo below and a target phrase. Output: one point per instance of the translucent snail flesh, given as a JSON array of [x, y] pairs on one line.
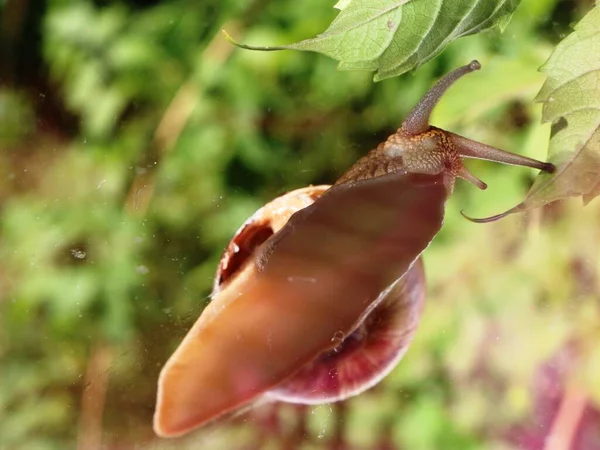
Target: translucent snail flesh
[[319, 294]]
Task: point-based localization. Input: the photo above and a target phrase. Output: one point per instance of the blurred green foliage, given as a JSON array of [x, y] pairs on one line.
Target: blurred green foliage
[[134, 140]]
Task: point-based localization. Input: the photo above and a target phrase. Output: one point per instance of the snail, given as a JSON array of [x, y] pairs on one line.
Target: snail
[[319, 294]]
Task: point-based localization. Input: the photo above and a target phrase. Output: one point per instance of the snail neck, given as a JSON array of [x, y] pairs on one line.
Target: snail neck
[[429, 153]]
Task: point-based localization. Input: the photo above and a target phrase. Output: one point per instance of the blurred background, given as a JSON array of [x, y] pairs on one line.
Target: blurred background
[[135, 140]]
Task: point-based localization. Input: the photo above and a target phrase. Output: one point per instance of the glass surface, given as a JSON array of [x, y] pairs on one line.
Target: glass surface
[[135, 141]]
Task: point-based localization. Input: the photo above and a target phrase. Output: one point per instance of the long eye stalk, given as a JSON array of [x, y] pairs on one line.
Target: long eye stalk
[[417, 121], [468, 148]]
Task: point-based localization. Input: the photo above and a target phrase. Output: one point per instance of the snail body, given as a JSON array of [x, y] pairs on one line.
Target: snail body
[[319, 294]]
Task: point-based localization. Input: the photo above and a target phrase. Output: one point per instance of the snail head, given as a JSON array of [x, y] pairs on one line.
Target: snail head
[[418, 147]]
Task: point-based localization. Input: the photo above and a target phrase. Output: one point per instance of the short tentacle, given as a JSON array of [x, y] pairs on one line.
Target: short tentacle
[[468, 176], [417, 121], [457, 169], [468, 148]]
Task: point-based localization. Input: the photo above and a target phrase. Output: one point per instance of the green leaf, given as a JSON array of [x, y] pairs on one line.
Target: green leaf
[[571, 98], [392, 37], [571, 102]]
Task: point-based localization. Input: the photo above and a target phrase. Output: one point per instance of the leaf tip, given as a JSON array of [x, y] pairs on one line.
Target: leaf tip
[[486, 219], [249, 47], [228, 37]]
